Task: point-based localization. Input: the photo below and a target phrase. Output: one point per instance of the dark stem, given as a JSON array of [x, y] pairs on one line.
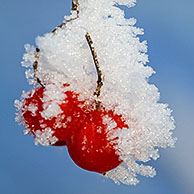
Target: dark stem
[[35, 67], [75, 7], [100, 78]]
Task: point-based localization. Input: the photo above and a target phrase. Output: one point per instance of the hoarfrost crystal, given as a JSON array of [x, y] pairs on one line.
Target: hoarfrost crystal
[[45, 137], [65, 57]]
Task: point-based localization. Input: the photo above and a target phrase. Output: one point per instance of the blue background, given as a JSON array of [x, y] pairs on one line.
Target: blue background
[[28, 169]]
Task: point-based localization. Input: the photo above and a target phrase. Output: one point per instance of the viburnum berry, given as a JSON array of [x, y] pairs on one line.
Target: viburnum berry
[[57, 129], [90, 147], [84, 129]]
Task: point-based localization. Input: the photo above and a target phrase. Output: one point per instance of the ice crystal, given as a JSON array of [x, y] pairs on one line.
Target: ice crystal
[[65, 57], [45, 137]]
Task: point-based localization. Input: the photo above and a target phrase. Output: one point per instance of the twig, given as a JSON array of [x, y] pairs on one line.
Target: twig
[[100, 79], [75, 7], [35, 67]]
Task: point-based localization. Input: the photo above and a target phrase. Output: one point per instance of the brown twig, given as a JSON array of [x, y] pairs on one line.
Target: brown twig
[[35, 67], [75, 7], [100, 78]]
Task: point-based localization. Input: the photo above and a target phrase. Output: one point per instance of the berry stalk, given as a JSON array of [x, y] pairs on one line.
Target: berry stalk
[[96, 62]]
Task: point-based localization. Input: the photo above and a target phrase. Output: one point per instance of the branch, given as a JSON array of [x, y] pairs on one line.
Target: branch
[[75, 7], [100, 79], [35, 67]]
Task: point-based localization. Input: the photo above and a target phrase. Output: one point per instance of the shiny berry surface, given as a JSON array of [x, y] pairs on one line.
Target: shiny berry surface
[[90, 147], [63, 125], [85, 130]]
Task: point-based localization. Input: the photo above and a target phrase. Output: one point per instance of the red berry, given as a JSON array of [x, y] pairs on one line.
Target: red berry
[[85, 131], [90, 148], [63, 126]]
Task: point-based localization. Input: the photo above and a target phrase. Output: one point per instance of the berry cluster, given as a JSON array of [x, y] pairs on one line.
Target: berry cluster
[[85, 130]]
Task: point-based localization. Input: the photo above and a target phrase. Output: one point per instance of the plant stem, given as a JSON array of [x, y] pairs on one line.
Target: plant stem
[[100, 79], [75, 7], [35, 67]]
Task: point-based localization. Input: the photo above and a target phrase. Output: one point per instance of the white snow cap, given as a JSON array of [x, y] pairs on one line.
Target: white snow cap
[[65, 57]]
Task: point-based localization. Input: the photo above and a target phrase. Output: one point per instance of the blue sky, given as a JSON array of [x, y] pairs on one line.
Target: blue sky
[[25, 168]]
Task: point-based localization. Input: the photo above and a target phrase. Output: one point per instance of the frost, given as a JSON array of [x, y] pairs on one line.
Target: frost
[[45, 137], [109, 122], [18, 104], [65, 57], [126, 173], [51, 109], [32, 108], [69, 119], [84, 140], [53, 96], [26, 131]]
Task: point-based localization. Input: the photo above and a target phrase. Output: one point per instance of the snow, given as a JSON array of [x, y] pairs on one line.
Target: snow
[[65, 57], [32, 108], [111, 124], [45, 137]]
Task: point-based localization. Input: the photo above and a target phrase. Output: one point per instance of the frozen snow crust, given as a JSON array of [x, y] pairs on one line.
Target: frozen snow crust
[[65, 57]]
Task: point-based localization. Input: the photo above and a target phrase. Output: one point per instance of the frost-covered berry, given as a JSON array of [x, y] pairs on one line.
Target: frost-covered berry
[[49, 127], [99, 53], [91, 147]]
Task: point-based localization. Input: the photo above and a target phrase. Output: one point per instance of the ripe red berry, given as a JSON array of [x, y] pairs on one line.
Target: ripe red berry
[[90, 147], [86, 131], [57, 129]]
